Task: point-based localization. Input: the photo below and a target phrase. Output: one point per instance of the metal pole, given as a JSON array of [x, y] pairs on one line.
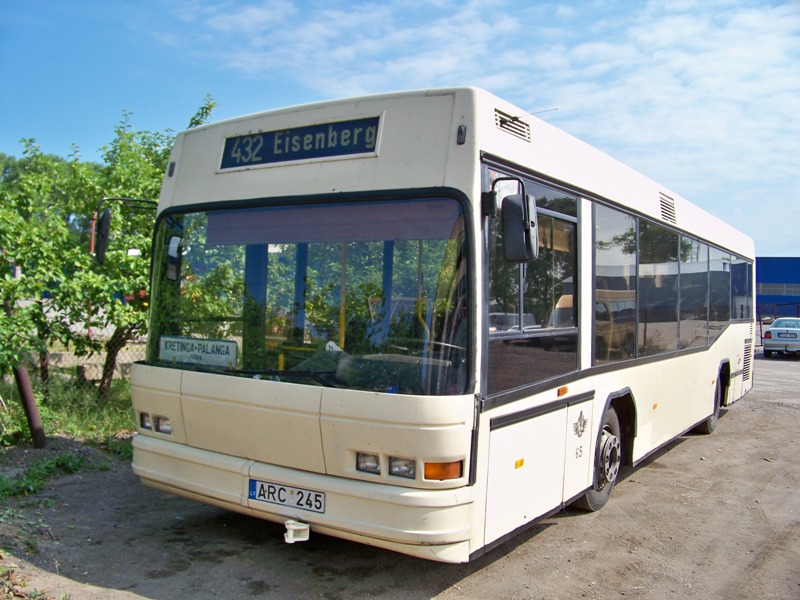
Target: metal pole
[[28, 399]]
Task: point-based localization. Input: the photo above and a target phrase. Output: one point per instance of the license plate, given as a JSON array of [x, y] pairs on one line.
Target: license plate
[[284, 495], [787, 335]]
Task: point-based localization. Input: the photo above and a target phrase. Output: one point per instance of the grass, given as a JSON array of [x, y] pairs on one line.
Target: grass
[[71, 409], [34, 477]]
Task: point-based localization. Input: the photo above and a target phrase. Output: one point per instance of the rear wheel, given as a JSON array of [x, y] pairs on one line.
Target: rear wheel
[[767, 353], [608, 461]]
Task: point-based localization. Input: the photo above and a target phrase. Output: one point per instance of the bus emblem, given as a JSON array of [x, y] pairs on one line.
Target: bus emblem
[[580, 425]]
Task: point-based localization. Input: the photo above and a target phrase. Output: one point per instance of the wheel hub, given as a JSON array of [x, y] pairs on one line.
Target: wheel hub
[[609, 457]]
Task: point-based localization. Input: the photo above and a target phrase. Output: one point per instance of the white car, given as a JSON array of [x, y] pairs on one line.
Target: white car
[[782, 336]]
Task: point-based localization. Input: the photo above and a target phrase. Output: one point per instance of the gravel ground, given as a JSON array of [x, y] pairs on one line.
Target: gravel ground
[[710, 516]]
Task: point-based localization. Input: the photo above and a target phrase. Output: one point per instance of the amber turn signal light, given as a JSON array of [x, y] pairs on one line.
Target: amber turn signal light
[[445, 470]]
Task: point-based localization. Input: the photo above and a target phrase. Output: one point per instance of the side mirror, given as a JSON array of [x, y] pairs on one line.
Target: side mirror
[[520, 228], [102, 229]]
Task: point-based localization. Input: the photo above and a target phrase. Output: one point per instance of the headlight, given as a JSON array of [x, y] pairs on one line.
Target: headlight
[[144, 421], [163, 425], [368, 463], [403, 467], [155, 423]]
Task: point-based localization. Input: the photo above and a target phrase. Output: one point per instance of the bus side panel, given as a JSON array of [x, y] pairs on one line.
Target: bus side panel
[[526, 472], [677, 393], [681, 393], [742, 368], [670, 396], [580, 439]]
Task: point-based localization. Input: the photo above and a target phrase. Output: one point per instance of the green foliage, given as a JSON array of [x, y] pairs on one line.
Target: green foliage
[[72, 410], [203, 113], [37, 241], [48, 279], [36, 475], [121, 448]]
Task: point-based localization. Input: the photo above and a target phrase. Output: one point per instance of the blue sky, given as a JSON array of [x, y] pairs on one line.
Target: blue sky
[[701, 95]]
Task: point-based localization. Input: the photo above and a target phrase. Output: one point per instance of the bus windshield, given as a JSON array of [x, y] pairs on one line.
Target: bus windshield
[[368, 295]]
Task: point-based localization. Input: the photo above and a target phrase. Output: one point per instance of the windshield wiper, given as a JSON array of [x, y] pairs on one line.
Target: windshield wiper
[[317, 376]]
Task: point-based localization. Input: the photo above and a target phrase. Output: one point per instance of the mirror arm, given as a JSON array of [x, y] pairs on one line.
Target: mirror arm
[[102, 224], [134, 203]]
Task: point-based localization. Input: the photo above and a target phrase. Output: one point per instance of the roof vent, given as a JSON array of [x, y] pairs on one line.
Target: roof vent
[[668, 209], [513, 125]]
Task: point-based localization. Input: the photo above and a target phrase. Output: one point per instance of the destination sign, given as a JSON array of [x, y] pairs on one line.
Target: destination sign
[[328, 140], [196, 351]]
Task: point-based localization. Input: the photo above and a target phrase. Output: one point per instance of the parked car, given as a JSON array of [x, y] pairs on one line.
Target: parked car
[[782, 336], [510, 322]]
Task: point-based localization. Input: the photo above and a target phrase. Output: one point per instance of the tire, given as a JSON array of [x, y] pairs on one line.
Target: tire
[[767, 353], [710, 424], [608, 460]]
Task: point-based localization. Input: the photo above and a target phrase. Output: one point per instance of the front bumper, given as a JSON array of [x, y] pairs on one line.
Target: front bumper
[[432, 524]]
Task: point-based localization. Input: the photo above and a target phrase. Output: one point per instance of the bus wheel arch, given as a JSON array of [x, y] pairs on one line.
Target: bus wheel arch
[[721, 387], [613, 450], [625, 407], [724, 379]]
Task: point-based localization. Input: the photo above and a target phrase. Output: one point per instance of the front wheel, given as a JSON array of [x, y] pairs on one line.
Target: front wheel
[[607, 464]]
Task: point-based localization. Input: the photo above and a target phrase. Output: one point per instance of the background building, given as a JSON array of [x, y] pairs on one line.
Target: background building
[[777, 287]]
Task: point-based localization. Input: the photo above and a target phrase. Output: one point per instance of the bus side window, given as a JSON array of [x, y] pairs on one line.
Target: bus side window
[[601, 313], [532, 318]]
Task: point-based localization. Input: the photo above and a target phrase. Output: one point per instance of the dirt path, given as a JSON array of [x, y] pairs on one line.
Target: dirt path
[[711, 516]]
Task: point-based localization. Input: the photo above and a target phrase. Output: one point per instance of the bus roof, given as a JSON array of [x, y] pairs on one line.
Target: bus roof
[[424, 139]]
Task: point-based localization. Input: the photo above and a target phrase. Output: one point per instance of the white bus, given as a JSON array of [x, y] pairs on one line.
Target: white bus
[[353, 324]]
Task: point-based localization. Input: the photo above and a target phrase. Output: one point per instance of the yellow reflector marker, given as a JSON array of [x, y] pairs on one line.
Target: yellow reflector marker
[[562, 391], [519, 463], [445, 470]]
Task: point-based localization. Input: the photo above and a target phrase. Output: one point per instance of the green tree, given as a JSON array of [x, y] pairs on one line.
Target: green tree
[[53, 290], [135, 163], [40, 256]]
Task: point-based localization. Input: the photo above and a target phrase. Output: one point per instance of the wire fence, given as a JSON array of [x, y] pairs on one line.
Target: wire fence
[[767, 313], [89, 369], [85, 370], [770, 312], [116, 348]]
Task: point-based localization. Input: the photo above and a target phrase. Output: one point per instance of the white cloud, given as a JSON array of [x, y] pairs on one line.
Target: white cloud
[[702, 95]]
